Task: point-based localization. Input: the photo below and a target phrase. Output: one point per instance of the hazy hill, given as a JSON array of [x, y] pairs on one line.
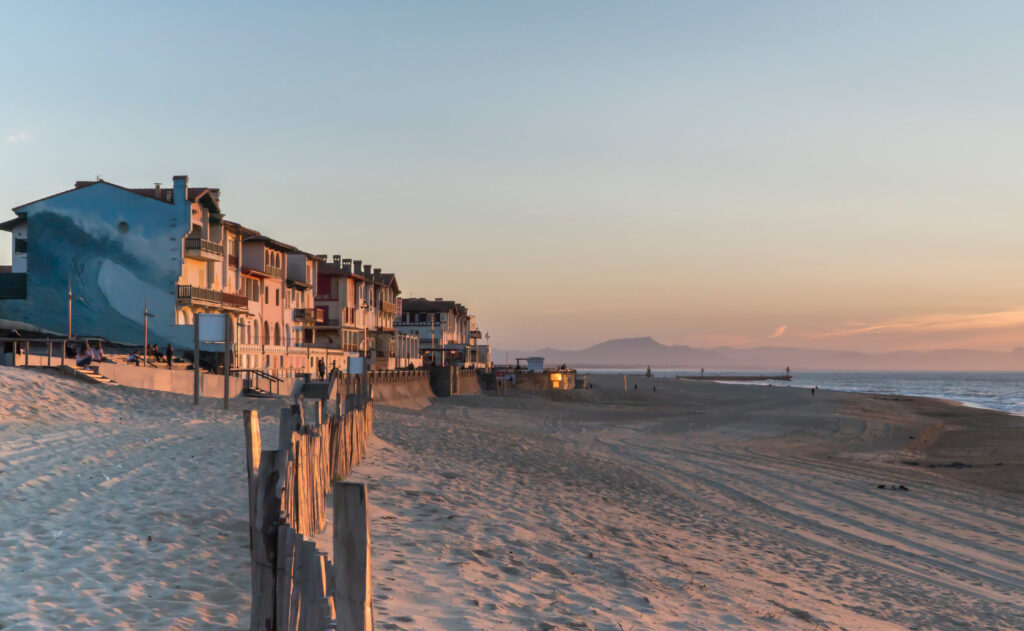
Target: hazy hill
[[640, 352]]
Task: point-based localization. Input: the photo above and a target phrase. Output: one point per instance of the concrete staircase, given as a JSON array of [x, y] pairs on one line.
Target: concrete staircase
[[88, 375]]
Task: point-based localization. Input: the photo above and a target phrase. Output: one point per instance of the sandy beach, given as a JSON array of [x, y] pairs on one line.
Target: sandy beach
[[699, 506]]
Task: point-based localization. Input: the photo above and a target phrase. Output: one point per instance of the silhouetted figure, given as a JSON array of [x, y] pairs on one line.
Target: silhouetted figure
[[170, 358], [321, 368], [655, 388], [813, 388], [84, 356], [636, 386]]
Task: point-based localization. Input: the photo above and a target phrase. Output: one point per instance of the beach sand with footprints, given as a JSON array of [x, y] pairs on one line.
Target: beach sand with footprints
[[700, 506]]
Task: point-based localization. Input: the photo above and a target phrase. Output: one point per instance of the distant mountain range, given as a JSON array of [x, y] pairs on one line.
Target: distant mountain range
[[640, 352]]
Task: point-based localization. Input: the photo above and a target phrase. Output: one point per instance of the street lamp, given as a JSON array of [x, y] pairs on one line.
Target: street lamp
[[71, 298], [146, 315]]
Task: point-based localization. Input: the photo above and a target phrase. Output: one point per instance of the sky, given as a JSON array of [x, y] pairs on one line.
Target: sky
[[820, 175]]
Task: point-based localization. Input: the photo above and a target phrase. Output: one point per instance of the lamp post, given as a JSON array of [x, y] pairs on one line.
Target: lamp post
[[146, 315], [71, 298]]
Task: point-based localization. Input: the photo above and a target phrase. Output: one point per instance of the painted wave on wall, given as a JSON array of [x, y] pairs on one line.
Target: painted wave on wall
[[121, 250]]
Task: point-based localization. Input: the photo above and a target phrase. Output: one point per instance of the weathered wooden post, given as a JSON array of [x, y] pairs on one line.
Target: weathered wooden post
[[353, 594], [264, 508]]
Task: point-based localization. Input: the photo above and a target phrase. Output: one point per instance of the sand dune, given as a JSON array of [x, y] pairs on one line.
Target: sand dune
[[701, 506]]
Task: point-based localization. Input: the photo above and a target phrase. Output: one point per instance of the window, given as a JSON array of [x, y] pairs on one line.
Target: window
[[21, 246], [277, 297]]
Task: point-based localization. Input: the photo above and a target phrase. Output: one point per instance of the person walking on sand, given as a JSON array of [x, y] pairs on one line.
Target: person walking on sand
[[170, 358]]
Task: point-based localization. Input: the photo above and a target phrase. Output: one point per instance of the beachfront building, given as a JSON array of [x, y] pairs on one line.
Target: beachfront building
[[357, 306], [446, 331], [122, 251]]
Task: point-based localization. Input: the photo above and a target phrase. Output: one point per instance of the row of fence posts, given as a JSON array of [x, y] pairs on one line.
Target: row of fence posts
[[294, 586]]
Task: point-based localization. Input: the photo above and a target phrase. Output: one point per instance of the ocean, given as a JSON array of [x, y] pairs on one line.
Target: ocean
[[1002, 391]]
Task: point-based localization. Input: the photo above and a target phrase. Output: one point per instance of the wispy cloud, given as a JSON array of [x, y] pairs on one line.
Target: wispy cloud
[[941, 322], [778, 332], [19, 137]]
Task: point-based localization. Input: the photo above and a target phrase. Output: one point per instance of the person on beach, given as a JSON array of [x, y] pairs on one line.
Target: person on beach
[[170, 357], [813, 388], [84, 356], [134, 358]]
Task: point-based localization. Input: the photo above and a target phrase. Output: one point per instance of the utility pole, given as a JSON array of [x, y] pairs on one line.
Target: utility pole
[[146, 315], [70, 297]]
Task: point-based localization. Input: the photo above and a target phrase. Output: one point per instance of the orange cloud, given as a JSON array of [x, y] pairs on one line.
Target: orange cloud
[[938, 323]]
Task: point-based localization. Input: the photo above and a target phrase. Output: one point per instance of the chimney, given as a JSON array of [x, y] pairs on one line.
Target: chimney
[[376, 273], [337, 259], [357, 266], [156, 190], [367, 273], [346, 266], [181, 190], [322, 257], [438, 299]]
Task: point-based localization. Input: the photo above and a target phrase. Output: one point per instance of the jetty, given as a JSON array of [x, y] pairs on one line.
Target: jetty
[[783, 377]]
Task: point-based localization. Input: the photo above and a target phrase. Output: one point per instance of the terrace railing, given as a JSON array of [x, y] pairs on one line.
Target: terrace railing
[[202, 245]]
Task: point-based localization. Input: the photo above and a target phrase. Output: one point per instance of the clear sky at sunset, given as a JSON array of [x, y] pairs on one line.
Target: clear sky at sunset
[[833, 175]]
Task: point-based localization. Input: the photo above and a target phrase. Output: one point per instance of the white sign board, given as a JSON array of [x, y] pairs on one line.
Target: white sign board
[[355, 365], [211, 327]]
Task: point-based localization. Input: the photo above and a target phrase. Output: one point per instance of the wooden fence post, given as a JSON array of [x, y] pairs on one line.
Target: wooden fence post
[[264, 508], [353, 594]]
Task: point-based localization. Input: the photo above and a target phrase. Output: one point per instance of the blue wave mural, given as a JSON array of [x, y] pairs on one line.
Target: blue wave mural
[[120, 249]]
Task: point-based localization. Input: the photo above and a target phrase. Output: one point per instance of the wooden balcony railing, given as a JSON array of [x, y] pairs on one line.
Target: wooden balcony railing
[[273, 270], [234, 301]]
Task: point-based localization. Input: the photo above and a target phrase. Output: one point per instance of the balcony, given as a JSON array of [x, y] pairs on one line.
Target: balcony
[[190, 294], [199, 248], [307, 315], [273, 270], [198, 295], [234, 301]]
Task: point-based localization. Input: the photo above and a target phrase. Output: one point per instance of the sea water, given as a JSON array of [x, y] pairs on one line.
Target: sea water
[[992, 390]]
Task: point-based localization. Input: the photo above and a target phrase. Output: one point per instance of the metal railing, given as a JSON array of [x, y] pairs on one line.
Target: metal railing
[[191, 293], [198, 243], [313, 315]]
